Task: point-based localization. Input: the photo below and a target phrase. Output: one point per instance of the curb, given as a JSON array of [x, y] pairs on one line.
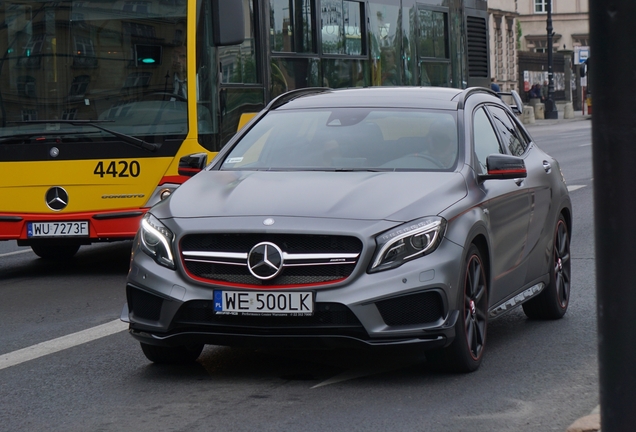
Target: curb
[[588, 423], [538, 123]]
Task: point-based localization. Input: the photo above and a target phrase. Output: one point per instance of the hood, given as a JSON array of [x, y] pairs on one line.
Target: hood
[[396, 196]]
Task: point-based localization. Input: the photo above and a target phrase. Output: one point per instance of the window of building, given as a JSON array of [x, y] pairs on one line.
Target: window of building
[[342, 27], [32, 52], [540, 6], [140, 30], [136, 6], [291, 28], [26, 86], [84, 55], [79, 86], [29, 114], [69, 114], [138, 79]]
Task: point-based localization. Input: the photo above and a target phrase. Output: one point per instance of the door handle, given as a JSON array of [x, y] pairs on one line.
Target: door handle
[[547, 167]]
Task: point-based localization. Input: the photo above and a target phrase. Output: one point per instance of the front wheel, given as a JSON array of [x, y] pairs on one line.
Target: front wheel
[[466, 351], [55, 252], [172, 355], [553, 301]]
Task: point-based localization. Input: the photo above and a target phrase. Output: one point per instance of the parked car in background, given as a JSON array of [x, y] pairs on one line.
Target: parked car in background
[[360, 217]]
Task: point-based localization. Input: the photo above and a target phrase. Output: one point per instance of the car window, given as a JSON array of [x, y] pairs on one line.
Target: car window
[[349, 138], [511, 136], [485, 139]]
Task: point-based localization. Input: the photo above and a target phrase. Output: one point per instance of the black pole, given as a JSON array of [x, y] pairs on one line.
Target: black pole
[[551, 111], [612, 45]]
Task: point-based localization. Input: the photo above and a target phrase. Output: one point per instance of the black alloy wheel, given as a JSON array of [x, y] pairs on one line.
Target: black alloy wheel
[[553, 301], [466, 351]]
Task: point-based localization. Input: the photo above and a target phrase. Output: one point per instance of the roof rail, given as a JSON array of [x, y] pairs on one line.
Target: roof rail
[[469, 91], [293, 94], [517, 107]]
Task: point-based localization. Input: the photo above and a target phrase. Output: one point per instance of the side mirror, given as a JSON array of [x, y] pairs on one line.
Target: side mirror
[[191, 164], [503, 167], [228, 22]]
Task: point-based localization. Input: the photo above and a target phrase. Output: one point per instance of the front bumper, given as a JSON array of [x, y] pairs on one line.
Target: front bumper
[[103, 226], [412, 304]]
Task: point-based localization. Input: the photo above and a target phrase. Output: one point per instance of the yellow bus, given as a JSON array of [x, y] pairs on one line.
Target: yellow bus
[[106, 106]]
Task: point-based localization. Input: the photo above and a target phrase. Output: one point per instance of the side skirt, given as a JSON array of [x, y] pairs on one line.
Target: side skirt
[[510, 304]]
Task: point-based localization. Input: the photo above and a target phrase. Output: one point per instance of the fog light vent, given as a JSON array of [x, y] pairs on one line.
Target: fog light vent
[[144, 305], [412, 309]]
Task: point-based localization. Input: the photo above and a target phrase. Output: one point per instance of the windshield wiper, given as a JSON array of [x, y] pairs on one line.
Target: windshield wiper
[[21, 137], [128, 139]]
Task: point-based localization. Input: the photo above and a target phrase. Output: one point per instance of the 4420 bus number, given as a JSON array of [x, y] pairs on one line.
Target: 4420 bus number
[[118, 169]]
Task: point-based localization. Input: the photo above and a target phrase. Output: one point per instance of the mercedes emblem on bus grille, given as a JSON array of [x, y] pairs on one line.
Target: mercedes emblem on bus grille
[[56, 198], [265, 261]]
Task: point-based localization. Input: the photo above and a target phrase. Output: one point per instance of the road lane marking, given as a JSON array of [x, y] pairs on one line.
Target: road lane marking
[[15, 253], [368, 370], [61, 343], [585, 145], [572, 188]]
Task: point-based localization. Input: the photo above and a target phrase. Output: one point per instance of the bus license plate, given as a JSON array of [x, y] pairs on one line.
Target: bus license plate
[[264, 303], [57, 229]]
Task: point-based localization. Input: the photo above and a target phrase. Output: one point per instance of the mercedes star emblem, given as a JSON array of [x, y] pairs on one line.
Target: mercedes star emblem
[[56, 198], [265, 261]]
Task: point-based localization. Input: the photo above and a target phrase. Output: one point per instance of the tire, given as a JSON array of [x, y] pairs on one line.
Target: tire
[[466, 351], [171, 355], [55, 252], [553, 301]]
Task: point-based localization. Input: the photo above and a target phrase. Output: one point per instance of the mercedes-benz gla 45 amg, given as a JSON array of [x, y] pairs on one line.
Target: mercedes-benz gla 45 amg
[[359, 217]]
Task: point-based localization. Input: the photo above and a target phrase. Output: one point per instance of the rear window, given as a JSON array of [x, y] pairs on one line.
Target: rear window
[[348, 138]]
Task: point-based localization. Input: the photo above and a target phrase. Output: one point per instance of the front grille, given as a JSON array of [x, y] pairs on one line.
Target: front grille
[[412, 309], [308, 259], [144, 305], [328, 318]]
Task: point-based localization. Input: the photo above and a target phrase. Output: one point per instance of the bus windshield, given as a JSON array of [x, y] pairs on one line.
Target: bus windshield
[[119, 64]]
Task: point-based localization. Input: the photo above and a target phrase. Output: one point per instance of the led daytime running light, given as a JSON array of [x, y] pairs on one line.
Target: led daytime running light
[[159, 234]]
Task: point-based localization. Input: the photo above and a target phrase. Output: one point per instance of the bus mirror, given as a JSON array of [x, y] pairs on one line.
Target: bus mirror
[[228, 22], [191, 164]]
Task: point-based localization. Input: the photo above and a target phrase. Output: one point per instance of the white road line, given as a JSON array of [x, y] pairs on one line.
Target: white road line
[[61, 343], [15, 253], [366, 371], [585, 145], [572, 188]]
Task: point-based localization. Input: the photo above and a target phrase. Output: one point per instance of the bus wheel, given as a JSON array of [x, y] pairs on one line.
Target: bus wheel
[[55, 252], [172, 355]]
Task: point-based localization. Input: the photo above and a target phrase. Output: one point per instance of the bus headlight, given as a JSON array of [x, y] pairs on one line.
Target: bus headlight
[[406, 242], [156, 239]]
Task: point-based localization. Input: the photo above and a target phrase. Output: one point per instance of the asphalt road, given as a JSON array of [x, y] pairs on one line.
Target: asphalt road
[[67, 363]]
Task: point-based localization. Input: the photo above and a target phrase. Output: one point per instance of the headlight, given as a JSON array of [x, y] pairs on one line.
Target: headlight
[[156, 240], [407, 242]]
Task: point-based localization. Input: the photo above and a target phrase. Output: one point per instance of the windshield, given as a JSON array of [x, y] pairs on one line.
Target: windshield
[[349, 139], [119, 63]]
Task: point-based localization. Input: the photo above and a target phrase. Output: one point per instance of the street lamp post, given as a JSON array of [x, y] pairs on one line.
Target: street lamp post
[[550, 107]]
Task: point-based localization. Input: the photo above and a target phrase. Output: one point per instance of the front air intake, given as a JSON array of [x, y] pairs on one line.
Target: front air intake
[[412, 309]]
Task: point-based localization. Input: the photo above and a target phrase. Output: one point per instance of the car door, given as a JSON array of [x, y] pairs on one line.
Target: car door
[[506, 202]]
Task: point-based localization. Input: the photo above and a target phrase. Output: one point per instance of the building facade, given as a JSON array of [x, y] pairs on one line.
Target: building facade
[[503, 23]]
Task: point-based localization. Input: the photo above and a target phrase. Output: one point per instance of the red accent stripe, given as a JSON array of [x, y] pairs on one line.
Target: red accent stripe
[[258, 287], [508, 171], [178, 179]]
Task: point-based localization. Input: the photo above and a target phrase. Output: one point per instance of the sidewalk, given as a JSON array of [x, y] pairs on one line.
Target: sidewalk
[[578, 115], [588, 423]]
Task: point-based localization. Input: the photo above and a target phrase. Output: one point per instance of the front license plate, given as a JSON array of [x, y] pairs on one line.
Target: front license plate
[[264, 303], [57, 229]]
